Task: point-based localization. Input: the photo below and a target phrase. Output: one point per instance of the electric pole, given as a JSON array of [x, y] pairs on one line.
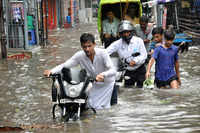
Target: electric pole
[[2, 36]]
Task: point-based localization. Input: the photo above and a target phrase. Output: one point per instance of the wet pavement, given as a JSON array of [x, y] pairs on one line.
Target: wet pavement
[[25, 96]]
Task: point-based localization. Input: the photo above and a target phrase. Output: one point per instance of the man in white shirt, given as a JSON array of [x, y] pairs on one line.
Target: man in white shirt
[[97, 64], [110, 26], [127, 46]]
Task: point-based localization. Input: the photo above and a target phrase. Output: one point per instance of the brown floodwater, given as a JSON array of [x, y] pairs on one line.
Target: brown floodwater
[[25, 96]]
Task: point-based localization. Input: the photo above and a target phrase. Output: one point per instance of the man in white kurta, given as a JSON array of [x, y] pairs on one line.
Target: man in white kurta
[[101, 64]]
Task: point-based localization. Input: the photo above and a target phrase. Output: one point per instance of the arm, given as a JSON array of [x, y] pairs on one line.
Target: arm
[[143, 54], [146, 41], [105, 32], [150, 28], [115, 30], [152, 45], [58, 68], [107, 67], [177, 66], [110, 70], [137, 27], [73, 61], [112, 48], [104, 27], [177, 71], [148, 34], [151, 62]]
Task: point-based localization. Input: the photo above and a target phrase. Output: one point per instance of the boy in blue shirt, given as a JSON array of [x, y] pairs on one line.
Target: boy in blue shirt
[[167, 64]]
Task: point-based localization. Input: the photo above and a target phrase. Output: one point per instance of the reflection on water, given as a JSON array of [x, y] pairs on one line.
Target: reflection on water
[[25, 99]]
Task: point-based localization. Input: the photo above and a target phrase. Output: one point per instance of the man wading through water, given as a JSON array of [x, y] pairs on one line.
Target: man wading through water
[[127, 46], [97, 64], [167, 63]]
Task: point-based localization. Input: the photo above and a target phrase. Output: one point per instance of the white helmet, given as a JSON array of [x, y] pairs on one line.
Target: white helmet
[[125, 25]]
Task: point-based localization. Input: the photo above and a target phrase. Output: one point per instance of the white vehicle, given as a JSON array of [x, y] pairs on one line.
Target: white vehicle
[[69, 93]]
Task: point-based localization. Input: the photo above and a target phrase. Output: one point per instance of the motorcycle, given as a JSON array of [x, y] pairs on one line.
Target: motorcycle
[[121, 65], [69, 93]]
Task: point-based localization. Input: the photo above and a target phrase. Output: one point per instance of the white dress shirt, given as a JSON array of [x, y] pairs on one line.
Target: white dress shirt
[[125, 51]]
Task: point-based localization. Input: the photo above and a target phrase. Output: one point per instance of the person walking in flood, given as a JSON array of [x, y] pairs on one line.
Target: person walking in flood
[[97, 64], [167, 63], [132, 49], [143, 30], [157, 33]]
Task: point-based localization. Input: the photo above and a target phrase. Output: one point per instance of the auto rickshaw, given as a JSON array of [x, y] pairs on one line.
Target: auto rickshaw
[[123, 9]]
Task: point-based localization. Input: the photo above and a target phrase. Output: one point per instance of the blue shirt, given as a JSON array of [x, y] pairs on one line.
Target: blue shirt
[[165, 62], [152, 45]]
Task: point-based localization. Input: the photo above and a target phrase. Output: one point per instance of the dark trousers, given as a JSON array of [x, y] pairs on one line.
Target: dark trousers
[[136, 76], [114, 95]]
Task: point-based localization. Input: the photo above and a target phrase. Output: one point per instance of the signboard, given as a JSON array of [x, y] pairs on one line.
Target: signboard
[[17, 11]]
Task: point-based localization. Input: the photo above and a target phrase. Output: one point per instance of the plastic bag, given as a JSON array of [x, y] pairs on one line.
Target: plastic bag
[[148, 83]]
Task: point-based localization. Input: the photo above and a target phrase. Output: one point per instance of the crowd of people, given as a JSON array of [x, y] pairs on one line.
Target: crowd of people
[[143, 38], [126, 40]]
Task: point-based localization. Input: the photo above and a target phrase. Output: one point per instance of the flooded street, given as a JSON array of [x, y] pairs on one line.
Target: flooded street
[[25, 95]]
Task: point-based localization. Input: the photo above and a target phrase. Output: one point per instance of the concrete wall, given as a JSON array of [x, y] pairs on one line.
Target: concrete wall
[[85, 12]]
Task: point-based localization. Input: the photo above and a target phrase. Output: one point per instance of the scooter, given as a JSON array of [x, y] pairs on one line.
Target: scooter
[[69, 93]]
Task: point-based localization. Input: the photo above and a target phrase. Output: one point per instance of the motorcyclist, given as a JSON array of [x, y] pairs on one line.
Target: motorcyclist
[[127, 46]]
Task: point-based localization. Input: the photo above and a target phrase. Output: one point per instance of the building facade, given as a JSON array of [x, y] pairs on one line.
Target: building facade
[[21, 28], [26, 23]]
